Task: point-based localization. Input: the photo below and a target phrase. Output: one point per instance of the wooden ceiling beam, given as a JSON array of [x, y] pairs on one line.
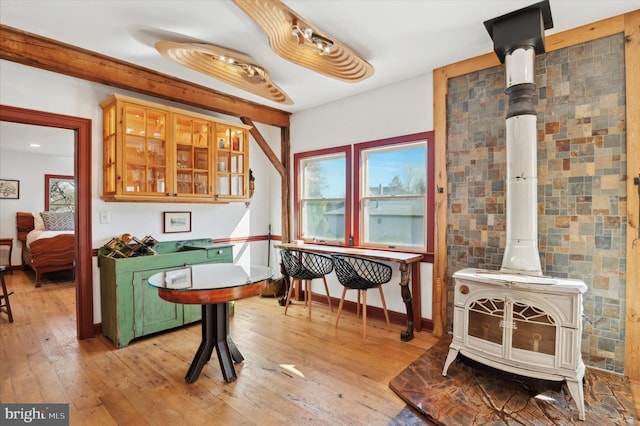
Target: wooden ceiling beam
[[264, 145], [52, 55], [281, 166]]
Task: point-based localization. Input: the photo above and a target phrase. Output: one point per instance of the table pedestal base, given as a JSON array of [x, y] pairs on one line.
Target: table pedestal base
[[215, 333]]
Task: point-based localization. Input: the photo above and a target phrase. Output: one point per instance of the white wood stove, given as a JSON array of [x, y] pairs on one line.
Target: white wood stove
[[516, 319], [524, 325]]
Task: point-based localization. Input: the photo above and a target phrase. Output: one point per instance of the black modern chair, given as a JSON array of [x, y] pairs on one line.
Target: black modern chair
[[303, 265], [357, 273]]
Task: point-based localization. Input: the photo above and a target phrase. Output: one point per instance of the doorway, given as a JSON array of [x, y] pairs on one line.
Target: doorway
[[82, 166]]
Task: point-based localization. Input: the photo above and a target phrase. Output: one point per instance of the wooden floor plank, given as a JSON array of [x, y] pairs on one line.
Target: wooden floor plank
[[344, 377]]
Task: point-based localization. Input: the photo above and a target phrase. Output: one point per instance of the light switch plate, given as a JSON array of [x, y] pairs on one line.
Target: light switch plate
[[104, 217]]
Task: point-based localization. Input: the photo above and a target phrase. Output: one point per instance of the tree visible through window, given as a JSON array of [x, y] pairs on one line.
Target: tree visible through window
[[323, 197], [60, 193]]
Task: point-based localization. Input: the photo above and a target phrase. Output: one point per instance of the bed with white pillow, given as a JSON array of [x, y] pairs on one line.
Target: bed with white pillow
[[48, 241]]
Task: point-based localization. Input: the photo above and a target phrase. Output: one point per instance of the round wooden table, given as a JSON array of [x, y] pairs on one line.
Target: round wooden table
[[213, 286]]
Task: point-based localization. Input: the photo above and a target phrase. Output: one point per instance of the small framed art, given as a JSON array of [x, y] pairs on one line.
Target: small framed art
[[176, 222], [9, 189]]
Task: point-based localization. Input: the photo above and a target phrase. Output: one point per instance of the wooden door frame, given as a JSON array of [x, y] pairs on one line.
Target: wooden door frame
[[82, 166]]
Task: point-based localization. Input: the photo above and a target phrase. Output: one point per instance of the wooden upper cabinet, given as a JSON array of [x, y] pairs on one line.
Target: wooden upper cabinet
[[232, 180], [153, 152], [193, 157]]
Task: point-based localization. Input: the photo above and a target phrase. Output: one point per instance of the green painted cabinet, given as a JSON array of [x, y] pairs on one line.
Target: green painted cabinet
[[131, 308]]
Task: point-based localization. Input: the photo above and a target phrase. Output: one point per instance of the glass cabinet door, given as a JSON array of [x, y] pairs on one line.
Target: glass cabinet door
[[231, 146], [192, 156], [145, 157], [109, 150]]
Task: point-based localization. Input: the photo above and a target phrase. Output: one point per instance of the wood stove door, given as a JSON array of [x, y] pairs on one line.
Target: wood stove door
[[513, 328], [534, 334], [485, 331]]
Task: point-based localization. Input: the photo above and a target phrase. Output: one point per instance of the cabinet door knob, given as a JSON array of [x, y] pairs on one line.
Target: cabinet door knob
[[220, 251]]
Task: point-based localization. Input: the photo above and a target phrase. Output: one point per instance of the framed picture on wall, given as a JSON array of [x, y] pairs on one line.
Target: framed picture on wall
[[9, 189], [176, 222]]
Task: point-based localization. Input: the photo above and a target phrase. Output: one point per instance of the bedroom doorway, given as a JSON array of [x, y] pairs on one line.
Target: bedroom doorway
[[82, 171]]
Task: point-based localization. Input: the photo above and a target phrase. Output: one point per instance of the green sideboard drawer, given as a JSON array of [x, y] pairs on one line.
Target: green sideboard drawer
[[131, 308], [216, 253]]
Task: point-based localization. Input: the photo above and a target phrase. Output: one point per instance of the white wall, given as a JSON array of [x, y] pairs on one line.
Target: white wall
[[395, 110], [31, 88], [29, 169]]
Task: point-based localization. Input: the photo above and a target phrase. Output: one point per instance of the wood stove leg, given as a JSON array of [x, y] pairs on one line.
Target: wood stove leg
[[407, 334], [577, 393], [451, 356]]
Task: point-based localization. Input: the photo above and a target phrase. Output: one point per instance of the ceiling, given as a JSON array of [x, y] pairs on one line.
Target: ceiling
[[402, 39]]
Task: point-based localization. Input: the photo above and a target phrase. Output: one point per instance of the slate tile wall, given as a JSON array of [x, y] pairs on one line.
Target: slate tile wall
[[581, 176]]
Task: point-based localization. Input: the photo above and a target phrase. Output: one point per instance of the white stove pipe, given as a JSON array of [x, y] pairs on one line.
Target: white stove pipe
[[521, 252]]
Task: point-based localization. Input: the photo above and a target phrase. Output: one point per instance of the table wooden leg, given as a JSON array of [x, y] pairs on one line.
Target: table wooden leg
[[407, 334], [215, 333]]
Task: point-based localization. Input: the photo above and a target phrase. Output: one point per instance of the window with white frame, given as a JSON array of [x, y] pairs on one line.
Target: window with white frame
[[392, 195], [322, 195]]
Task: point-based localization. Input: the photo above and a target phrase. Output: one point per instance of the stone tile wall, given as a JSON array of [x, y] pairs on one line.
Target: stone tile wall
[[581, 176]]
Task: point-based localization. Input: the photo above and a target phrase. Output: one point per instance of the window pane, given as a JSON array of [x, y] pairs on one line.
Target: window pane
[[324, 178], [397, 171], [62, 195], [396, 221], [323, 220]]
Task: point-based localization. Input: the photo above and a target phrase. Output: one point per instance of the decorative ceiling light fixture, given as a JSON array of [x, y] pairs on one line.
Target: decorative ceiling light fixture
[[314, 41], [308, 47], [227, 65]]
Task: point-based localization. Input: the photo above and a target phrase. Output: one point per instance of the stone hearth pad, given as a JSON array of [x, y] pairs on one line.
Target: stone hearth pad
[[473, 394]]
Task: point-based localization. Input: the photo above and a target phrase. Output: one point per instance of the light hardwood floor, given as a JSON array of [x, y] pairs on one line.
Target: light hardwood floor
[[295, 371]]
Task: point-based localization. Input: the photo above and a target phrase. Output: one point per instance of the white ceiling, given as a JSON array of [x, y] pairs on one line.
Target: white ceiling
[[400, 38]]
